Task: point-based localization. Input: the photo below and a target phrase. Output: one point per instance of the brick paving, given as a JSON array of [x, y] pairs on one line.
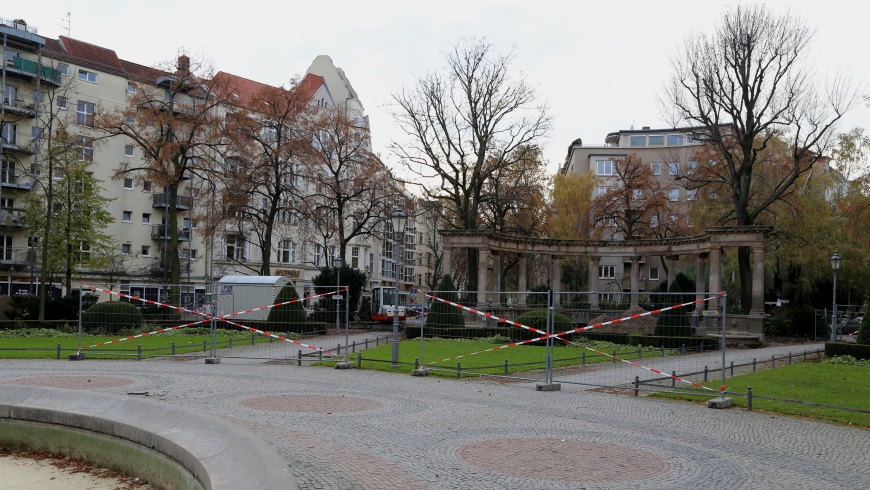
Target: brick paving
[[409, 432]]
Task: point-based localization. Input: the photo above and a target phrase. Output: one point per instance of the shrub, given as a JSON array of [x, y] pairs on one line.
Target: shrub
[[111, 317], [365, 309], [864, 331], [676, 323], [290, 315], [538, 319], [442, 314]]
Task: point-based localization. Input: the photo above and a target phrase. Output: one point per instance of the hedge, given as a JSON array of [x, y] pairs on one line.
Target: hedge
[[858, 351], [111, 317]]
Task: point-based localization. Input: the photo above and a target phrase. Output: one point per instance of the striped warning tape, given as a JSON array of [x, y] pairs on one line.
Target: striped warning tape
[[545, 335], [223, 318]]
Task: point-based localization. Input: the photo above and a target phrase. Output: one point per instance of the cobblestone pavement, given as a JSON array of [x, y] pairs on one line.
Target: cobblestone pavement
[[353, 429]]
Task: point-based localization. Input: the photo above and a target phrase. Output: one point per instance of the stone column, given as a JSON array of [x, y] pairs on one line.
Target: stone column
[[482, 266], [635, 269], [715, 276], [522, 287], [593, 281], [447, 262], [757, 280], [557, 280], [497, 266], [700, 281]]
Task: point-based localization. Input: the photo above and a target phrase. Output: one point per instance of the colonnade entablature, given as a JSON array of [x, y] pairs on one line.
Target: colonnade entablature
[[706, 248]]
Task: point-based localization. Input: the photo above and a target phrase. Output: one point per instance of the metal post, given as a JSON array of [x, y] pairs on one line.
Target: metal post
[[834, 319], [81, 287], [395, 353], [749, 398], [724, 309], [636, 385], [550, 316]]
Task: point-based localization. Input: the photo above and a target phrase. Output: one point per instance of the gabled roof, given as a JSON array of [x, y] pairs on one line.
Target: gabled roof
[[242, 90], [310, 85], [141, 73], [91, 55]]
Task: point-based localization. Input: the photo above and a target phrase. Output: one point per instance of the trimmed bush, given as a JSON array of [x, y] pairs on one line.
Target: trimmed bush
[[863, 336], [538, 319], [444, 315], [677, 322], [289, 316], [111, 317], [858, 351]]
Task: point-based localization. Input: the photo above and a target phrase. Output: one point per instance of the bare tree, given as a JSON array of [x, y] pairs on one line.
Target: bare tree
[[462, 126], [744, 85]]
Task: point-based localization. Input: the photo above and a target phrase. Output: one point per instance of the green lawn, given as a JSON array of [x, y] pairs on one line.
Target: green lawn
[[819, 382], [520, 358], [152, 345]]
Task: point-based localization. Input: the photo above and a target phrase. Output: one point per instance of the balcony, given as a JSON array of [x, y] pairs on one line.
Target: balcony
[[31, 71], [161, 232], [16, 141], [162, 201], [16, 256], [9, 178], [18, 107], [12, 217]]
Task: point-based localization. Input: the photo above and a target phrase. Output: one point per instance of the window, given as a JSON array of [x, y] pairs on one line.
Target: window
[[673, 168], [188, 253], [354, 257], [285, 248], [128, 183], [128, 119], [692, 194], [693, 166], [86, 146], [35, 131], [605, 167], [85, 113], [88, 76], [637, 194], [146, 218], [674, 218], [674, 195], [235, 247], [689, 221], [656, 168], [127, 216], [654, 221], [5, 247], [131, 89], [146, 250], [675, 140], [603, 189], [10, 94], [607, 272], [637, 141], [318, 253], [63, 68], [8, 133], [653, 273], [656, 140], [125, 248], [128, 150], [146, 186]]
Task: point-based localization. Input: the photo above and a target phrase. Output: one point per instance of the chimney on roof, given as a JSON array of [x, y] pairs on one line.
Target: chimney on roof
[[183, 64], [645, 128]]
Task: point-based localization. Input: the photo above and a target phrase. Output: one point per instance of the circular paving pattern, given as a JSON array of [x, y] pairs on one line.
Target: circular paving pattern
[[564, 460], [73, 382], [311, 403]]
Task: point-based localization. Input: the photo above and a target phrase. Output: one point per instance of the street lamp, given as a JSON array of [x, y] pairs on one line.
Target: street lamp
[[399, 218], [835, 266]]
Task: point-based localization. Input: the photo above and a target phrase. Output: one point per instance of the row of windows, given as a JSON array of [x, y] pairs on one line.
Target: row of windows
[[643, 140], [638, 194], [608, 167], [127, 217], [609, 272]]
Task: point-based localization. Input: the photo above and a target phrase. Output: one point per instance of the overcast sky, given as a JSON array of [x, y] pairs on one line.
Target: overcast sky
[[599, 66]]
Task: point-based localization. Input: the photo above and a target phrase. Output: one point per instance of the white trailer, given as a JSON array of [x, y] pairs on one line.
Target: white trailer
[[239, 293]]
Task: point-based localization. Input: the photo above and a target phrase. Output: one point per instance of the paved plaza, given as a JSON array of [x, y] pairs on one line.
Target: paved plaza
[[353, 429]]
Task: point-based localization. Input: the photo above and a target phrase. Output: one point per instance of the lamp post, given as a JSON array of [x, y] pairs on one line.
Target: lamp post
[[835, 266], [399, 218]]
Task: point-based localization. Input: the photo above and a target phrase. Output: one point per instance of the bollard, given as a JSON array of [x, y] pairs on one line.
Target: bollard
[[58, 351], [338, 349], [139, 352], [640, 353], [753, 364], [416, 364], [614, 356], [319, 354], [367, 343], [377, 338], [673, 379], [683, 348], [584, 359], [459, 370], [354, 347], [805, 354], [505, 366], [231, 342], [705, 374], [789, 357], [299, 358], [173, 348], [252, 339], [732, 369], [270, 339], [749, 398], [359, 361], [663, 351], [636, 385], [773, 360], [702, 346], [204, 346]]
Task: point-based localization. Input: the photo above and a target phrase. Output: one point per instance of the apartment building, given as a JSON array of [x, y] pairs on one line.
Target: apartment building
[[669, 153], [68, 81]]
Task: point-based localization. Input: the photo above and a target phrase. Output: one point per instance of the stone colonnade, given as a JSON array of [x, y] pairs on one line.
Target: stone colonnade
[[707, 249]]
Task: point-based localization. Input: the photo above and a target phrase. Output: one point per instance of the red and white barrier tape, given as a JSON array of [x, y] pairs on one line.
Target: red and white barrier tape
[[208, 317], [567, 332]]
